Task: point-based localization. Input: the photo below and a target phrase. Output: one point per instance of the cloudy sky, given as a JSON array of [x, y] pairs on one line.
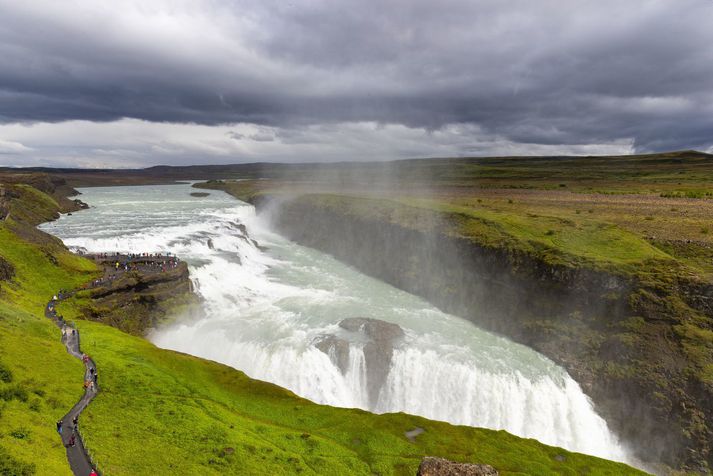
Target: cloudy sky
[[126, 83]]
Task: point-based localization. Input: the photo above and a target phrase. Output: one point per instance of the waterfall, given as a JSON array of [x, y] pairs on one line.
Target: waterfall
[[265, 307]]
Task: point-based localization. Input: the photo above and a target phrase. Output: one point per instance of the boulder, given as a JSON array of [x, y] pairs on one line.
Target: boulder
[[380, 337], [442, 467]]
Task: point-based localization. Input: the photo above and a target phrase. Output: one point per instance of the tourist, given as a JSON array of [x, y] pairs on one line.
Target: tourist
[[59, 427]]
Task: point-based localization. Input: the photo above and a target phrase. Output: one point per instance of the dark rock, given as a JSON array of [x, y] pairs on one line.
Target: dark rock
[[381, 337], [199, 194], [442, 467], [239, 226], [210, 244], [373, 328], [337, 349], [80, 204], [7, 271]]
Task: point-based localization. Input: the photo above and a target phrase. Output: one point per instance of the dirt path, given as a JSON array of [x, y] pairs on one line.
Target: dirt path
[[76, 454]]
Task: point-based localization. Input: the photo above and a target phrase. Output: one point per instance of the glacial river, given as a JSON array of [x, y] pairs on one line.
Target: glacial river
[[266, 305]]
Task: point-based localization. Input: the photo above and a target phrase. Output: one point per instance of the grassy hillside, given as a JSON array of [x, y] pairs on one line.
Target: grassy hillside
[[164, 411], [34, 394]]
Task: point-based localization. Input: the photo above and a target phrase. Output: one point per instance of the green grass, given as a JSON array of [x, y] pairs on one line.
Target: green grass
[[30, 349], [169, 410], [555, 240], [569, 242], [162, 411]]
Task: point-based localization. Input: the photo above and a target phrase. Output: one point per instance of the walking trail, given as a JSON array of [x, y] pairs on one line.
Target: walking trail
[[79, 460], [77, 455]]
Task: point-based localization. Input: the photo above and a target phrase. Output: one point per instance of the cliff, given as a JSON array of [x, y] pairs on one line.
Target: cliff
[[635, 341], [137, 300]]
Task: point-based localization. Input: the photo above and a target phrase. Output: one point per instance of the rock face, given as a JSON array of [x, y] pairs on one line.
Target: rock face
[[4, 202], [442, 467], [380, 337], [336, 348], [139, 301]]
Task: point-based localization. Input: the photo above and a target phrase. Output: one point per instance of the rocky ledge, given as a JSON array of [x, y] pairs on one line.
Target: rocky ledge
[[138, 300]]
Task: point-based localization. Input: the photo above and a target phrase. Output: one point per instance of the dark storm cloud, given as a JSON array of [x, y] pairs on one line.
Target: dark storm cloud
[[546, 72]]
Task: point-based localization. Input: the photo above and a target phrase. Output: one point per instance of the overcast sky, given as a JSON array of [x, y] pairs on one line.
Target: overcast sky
[[96, 83]]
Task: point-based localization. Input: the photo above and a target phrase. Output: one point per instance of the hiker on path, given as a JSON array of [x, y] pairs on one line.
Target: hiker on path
[[59, 427]]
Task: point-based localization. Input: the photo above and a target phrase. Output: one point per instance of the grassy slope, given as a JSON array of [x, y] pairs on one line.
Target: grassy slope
[[199, 417], [30, 347], [160, 409]]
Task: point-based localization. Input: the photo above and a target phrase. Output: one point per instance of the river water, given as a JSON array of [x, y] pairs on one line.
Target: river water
[[266, 305]]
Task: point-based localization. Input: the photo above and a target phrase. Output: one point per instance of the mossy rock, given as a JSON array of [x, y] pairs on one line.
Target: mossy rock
[[7, 270]]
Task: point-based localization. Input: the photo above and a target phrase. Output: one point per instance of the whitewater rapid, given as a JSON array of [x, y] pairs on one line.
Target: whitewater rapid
[[266, 300]]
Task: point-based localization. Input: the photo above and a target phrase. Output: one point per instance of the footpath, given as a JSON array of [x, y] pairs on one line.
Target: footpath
[[68, 426]]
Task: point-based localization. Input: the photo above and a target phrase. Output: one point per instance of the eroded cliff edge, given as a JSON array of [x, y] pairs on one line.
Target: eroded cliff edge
[[628, 339], [139, 299]]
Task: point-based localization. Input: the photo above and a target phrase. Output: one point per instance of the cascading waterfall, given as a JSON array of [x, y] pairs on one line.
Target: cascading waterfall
[[267, 303]]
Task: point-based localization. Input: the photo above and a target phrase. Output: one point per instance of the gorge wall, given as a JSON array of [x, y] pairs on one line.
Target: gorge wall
[[140, 300], [613, 333]]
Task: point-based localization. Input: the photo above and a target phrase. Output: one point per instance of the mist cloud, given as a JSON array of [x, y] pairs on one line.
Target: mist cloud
[[518, 75]]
